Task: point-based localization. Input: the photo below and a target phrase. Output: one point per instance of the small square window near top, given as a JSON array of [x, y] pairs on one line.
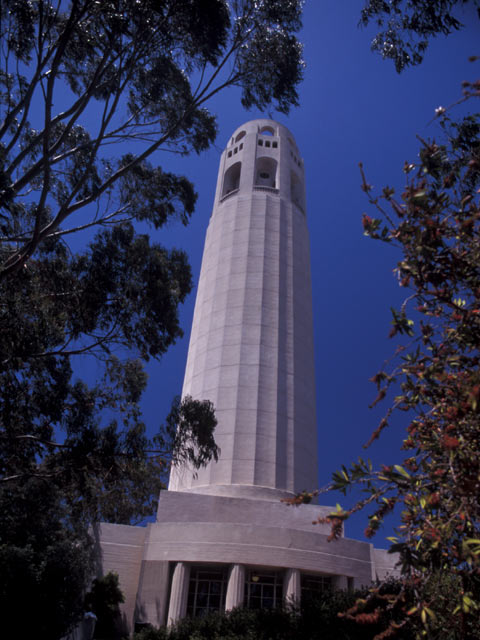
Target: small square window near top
[[274, 145], [235, 150], [260, 143], [241, 146], [229, 154], [267, 143]]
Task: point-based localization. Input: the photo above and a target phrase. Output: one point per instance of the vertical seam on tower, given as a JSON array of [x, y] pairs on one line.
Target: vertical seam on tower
[[282, 444], [292, 339], [237, 407], [262, 330]]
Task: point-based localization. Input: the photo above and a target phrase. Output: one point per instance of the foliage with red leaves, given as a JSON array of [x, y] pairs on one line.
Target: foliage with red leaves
[[435, 378]]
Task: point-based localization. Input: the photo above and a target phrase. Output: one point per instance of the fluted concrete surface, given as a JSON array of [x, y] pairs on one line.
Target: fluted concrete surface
[[251, 346]]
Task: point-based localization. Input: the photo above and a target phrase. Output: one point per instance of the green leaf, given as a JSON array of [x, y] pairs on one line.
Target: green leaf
[[402, 471]]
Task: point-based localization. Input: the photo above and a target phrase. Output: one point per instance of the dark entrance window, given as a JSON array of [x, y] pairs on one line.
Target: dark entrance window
[[313, 585], [206, 590], [263, 589]]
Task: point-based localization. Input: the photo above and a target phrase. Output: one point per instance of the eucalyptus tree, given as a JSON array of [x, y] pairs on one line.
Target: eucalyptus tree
[[408, 25], [90, 94]]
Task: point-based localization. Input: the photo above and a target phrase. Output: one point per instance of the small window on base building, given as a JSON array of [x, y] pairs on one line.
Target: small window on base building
[[206, 590], [313, 585], [263, 589]]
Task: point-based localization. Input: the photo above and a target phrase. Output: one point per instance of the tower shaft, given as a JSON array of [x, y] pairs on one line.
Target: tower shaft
[[251, 346]]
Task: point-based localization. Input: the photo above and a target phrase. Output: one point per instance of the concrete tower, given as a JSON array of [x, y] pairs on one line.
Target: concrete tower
[[222, 538], [251, 346]]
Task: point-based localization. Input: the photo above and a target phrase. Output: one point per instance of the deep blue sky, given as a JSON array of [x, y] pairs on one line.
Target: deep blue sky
[[353, 107]]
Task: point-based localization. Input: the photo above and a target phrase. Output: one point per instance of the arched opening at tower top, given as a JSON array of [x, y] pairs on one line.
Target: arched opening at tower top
[[266, 172], [241, 135], [231, 179], [296, 191], [267, 131]]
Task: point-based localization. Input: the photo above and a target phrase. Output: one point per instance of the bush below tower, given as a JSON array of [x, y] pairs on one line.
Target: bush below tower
[[317, 619]]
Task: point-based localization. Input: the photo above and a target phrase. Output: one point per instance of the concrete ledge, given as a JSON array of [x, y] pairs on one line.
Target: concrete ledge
[[257, 545], [179, 506], [249, 492], [194, 527]]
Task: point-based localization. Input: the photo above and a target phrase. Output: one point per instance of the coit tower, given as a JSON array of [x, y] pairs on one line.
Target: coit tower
[[251, 347], [223, 538]]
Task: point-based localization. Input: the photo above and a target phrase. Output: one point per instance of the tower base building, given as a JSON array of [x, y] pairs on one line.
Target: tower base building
[[223, 538]]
